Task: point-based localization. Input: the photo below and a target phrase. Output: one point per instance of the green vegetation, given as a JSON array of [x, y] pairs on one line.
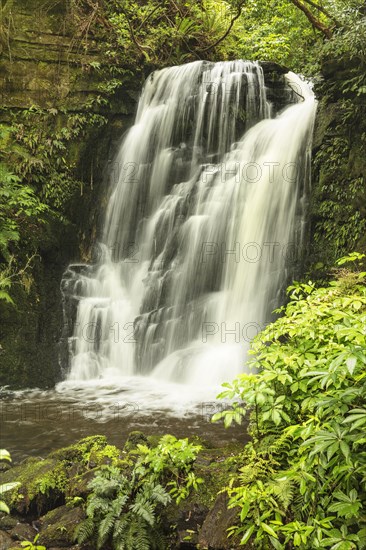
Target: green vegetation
[[39, 149], [28, 545], [171, 32], [301, 483], [4, 487], [125, 508], [42, 483], [289, 32]]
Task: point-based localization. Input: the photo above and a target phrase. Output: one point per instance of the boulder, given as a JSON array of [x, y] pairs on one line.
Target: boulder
[[8, 522], [213, 534], [58, 526], [5, 541], [23, 531]]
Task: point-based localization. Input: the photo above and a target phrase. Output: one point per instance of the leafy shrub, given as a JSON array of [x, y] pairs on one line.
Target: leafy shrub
[[170, 462], [302, 482], [125, 510]]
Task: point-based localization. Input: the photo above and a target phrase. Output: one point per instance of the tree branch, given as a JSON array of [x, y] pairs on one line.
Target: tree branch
[[236, 16], [323, 10], [132, 33], [313, 20]]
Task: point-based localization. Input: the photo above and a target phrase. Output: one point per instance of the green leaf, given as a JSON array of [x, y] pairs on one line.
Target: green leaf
[[4, 507], [351, 363], [5, 455], [248, 533], [268, 529]]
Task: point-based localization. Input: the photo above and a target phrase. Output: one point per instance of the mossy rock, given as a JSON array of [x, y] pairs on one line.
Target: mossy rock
[[58, 526], [214, 466], [45, 484], [42, 483], [80, 451], [139, 438], [5, 540], [78, 485], [23, 532], [7, 522]]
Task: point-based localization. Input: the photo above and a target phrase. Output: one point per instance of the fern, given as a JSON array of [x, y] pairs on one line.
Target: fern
[[85, 530], [124, 512], [144, 509], [97, 505], [105, 528], [120, 527], [283, 488]]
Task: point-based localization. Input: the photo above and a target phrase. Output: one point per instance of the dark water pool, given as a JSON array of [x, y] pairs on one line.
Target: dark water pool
[[35, 422]]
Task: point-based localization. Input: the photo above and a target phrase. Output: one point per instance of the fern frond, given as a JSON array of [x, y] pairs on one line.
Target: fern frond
[[138, 535], [144, 509], [84, 531], [119, 503], [159, 494], [283, 488], [105, 529], [96, 505]]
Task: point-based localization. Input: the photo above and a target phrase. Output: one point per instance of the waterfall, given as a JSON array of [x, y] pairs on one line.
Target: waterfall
[[208, 205]]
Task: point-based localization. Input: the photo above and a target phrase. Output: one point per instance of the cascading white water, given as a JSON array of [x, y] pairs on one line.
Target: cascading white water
[[210, 195]]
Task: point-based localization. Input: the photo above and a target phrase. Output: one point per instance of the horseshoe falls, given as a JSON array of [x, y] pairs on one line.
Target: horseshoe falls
[[200, 231]]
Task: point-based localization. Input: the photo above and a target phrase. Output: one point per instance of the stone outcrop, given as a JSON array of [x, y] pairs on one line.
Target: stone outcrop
[[338, 194], [45, 63]]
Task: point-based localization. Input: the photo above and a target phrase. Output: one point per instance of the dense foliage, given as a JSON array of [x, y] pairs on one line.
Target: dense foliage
[[125, 508], [302, 480], [176, 31]]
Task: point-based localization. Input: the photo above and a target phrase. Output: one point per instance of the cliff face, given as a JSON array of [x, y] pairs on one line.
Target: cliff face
[[338, 198], [49, 65]]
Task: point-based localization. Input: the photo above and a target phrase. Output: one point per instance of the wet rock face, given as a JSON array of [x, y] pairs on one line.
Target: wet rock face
[[58, 526], [43, 64], [213, 533], [5, 541], [277, 89], [338, 197]]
